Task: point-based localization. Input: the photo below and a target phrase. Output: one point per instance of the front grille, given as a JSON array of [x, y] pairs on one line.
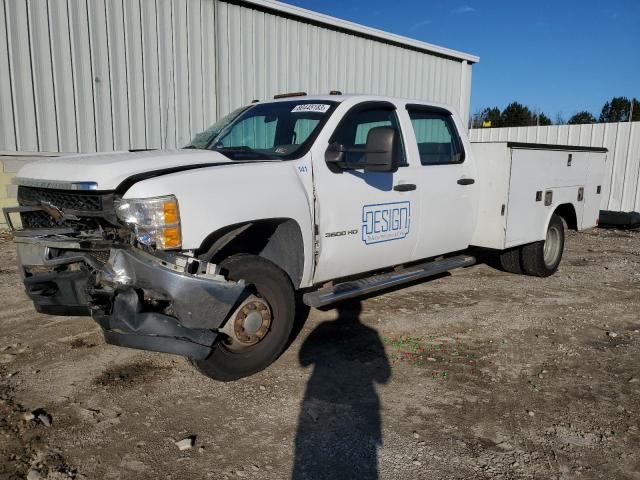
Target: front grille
[[101, 256], [87, 202], [41, 219], [93, 210]]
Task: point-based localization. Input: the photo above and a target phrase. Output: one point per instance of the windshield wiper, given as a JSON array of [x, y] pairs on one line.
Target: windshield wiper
[[243, 149]]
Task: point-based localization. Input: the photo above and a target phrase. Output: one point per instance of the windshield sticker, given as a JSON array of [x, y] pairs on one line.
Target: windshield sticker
[[311, 107], [385, 222]]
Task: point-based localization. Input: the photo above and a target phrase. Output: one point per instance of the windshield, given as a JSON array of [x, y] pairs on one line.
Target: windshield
[[278, 130], [203, 139]]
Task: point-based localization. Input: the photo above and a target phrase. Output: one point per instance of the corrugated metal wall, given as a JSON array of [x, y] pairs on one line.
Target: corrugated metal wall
[[87, 75], [621, 190], [261, 54]]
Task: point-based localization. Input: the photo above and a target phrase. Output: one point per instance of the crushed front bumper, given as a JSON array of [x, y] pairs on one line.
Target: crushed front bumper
[[140, 300]]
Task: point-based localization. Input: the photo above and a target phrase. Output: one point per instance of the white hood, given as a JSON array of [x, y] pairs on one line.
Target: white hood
[[108, 170]]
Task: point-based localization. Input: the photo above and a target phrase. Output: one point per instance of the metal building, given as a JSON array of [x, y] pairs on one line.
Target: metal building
[[98, 75]]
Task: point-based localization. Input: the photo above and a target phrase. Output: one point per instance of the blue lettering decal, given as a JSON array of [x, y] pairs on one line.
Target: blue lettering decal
[[368, 223], [385, 219], [384, 222]]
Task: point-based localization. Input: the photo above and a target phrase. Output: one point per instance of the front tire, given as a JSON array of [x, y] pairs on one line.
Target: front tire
[[541, 259], [270, 284]]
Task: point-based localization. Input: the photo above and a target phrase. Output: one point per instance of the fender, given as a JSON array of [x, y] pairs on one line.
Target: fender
[[568, 213], [216, 198], [276, 239]]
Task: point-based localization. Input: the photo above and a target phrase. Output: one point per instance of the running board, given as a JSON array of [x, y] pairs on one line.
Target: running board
[[363, 286]]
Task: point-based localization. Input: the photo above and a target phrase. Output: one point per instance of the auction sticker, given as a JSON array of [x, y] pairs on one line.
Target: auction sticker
[[311, 107]]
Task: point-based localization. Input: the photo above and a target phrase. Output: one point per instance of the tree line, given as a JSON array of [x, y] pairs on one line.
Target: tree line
[[618, 109]]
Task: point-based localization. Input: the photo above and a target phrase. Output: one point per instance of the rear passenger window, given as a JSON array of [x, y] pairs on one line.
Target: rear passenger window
[[438, 140]]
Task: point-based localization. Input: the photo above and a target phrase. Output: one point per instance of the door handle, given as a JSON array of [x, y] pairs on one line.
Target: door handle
[[404, 187], [466, 181]]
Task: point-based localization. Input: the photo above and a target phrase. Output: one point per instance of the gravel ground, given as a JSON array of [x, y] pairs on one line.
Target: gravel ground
[[480, 374]]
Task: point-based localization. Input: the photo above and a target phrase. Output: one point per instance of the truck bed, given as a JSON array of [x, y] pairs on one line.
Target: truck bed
[[522, 184]]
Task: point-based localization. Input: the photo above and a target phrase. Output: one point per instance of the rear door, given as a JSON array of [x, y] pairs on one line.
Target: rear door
[[445, 177], [365, 220]]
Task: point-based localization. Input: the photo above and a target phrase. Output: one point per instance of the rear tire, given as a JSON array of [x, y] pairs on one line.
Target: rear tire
[[270, 283], [541, 259]]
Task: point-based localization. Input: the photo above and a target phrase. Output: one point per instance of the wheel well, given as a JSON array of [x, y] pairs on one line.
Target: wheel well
[[568, 212], [276, 239]]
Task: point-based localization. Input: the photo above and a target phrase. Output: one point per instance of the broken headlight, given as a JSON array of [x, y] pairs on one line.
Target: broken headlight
[[154, 221]]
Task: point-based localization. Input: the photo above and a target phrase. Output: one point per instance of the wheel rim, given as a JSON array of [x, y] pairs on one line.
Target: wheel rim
[[552, 246], [249, 324]]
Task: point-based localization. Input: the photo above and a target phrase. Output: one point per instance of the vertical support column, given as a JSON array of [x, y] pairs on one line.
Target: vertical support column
[[465, 94]]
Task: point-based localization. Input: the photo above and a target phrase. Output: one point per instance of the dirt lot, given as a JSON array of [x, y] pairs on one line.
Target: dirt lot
[[479, 375]]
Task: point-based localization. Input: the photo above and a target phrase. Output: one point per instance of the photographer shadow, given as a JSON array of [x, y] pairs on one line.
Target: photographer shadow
[[339, 427]]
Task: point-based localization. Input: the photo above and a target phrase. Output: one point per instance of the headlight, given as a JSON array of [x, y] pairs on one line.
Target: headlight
[[155, 221]]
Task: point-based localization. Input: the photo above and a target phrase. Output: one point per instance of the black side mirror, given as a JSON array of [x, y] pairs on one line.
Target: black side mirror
[[335, 153], [381, 150]]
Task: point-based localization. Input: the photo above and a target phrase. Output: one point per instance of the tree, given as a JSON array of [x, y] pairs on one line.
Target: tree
[[514, 115], [581, 118], [517, 115], [543, 120], [618, 110], [488, 115]]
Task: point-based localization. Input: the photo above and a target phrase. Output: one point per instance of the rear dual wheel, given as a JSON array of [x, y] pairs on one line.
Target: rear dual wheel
[[539, 259], [258, 330]]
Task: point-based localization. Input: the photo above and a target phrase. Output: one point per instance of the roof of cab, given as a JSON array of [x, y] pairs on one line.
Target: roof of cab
[[364, 96]]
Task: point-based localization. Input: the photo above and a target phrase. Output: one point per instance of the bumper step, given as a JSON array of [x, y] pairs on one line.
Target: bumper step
[[363, 286]]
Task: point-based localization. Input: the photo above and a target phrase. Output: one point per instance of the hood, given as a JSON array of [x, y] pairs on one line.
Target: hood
[[108, 170]]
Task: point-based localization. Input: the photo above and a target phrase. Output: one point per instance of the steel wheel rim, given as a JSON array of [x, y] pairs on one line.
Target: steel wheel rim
[[239, 337], [552, 246]]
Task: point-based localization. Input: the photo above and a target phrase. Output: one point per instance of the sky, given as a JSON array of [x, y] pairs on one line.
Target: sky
[[559, 56]]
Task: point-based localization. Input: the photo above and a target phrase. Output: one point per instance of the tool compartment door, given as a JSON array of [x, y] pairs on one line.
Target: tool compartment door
[[594, 190], [534, 172]]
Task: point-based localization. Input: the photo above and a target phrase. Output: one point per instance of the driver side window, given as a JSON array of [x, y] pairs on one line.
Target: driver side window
[[354, 128]]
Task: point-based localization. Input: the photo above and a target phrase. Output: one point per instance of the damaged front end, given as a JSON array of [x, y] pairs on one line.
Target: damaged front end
[[88, 264]]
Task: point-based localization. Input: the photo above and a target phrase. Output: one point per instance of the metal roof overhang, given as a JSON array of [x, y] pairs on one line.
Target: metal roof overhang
[[354, 28]]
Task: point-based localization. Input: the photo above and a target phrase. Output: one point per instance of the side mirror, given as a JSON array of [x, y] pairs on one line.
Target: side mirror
[[381, 150], [335, 154]]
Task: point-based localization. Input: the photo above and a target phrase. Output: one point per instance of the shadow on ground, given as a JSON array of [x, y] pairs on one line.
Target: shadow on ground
[[339, 428]]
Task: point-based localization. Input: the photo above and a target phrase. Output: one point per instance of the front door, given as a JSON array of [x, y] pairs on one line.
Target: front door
[[365, 219]]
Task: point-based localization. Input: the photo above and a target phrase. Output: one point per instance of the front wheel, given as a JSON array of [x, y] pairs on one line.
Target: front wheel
[[258, 330], [541, 259]]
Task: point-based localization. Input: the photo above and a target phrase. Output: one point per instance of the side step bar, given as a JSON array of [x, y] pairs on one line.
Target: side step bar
[[363, 286]]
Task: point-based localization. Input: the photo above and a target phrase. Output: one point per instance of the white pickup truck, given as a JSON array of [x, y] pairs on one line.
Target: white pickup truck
[[203, 251]]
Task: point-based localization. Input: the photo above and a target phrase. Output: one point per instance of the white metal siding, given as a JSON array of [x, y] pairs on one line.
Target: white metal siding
[[621, 187], [261, 54], [7, 124], [96, 75]]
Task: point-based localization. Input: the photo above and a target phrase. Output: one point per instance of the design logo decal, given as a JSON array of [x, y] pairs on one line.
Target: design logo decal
[[384, 222]]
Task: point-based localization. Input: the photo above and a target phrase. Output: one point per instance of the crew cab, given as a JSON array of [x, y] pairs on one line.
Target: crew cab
[[203, 251]]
